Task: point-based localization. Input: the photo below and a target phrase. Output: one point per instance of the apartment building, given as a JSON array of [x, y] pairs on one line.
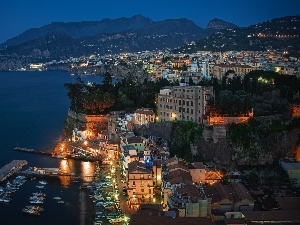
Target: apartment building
[[188, 103], [139, 184], [220, 69]]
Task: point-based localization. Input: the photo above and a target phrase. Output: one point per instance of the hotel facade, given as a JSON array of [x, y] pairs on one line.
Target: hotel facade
[[187, 103]]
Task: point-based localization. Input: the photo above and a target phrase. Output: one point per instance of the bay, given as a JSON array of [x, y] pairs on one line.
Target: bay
[[33, 108]]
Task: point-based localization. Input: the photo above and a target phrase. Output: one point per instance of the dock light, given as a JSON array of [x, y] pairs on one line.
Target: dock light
[[125, 218], [116, 196], [85, 142], [154, 199]]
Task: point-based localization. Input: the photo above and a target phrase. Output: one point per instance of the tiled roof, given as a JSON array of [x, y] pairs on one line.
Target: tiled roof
[[154, 217], [145, 111], [189, 190], [137, 167], [134, 140]]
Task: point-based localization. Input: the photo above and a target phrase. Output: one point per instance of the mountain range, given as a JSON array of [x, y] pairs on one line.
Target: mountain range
[[279, 34], [139, 33]]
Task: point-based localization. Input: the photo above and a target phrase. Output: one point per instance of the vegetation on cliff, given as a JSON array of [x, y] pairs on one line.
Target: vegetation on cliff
[[266, 92], [258, 141], [124, 95], [184, 136]]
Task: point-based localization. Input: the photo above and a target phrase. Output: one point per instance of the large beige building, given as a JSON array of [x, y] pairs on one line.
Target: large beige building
[[220, 69], [188, 103], [139, 184]]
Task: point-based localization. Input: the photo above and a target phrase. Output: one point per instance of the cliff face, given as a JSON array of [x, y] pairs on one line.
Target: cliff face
[[216, 144], [261, 150]]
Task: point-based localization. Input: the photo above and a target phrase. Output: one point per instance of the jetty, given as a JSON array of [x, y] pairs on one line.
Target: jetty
[[11, 168], [29, 150]]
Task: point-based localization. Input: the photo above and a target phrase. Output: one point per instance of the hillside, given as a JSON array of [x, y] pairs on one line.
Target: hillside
[[280, 33], [50, 46], [219, 24], [139, 35], [81, 29]]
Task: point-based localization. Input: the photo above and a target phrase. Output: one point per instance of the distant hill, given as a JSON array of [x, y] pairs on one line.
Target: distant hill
[[126, 35], [49, 46], [81, 29], [280, 33], [139, 33], [218, 24]]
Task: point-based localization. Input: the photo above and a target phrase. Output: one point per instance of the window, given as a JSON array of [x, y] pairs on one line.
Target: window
[[133, 183], [142, 190], [187, 103], [192, 103], [192, 111], [179, 102]]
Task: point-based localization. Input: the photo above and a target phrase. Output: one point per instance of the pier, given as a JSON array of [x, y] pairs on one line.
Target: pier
[[29, 150], [11, 168]]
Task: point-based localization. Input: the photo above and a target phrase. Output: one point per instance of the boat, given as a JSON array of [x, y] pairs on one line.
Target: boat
[[39, 194], [31, 198], [6, 199], [37, 201], [31, 211], [43, 182], [57, 198], [35, 207], [40, 186], [61, 202]]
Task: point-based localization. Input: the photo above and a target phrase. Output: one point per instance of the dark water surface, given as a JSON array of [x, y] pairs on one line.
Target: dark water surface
[[33, 107]]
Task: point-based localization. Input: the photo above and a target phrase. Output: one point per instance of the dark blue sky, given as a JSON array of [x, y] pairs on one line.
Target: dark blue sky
[[16, 16]]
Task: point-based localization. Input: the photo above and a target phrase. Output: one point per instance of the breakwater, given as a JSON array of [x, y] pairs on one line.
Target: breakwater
[[29, 150], [11, 168]]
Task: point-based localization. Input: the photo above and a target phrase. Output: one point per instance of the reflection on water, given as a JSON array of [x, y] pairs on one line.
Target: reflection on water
[[87, 171], [65, 167]]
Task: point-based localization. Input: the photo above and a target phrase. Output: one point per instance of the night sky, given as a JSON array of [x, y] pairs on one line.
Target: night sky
[[16, 16]]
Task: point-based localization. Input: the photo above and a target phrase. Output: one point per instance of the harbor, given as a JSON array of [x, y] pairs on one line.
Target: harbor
[[11, 168]]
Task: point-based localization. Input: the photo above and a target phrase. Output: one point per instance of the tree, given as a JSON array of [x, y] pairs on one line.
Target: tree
[[75, 94], [191, 82], [107, 82], [97, 102]]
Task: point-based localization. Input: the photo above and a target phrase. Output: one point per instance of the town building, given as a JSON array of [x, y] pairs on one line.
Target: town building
[[220, 69], [143, 117], [139, 181], [231, 197], [187, 103]]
